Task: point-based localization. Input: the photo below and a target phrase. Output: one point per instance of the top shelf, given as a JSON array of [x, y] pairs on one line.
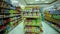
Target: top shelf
[[7, 3]]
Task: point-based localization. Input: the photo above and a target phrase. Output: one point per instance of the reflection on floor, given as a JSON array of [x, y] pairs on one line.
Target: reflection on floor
[[46, 28]]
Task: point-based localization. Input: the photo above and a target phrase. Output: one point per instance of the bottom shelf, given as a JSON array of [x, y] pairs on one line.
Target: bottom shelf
[[15, 25], [53, 26], [31, 33]]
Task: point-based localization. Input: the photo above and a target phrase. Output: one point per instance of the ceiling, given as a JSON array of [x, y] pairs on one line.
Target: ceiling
[[43, 3], [38, 2]]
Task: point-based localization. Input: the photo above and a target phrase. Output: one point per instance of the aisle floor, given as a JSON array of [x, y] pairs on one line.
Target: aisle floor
[[46, 29]]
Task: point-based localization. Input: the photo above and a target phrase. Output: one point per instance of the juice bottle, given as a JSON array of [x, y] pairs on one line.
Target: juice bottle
[[11, 23], [25, 14], [28, 13]]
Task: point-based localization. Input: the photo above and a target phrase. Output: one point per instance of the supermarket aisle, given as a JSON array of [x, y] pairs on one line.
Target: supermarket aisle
[[47, 29], [18, 29]]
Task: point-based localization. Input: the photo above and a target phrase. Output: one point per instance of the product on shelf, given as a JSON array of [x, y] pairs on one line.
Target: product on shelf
[[29, 14], [8, 28], [7, 20], [25, 14], [56, 17], [2, 28], [1, 16], [1, 21], [6, 11]]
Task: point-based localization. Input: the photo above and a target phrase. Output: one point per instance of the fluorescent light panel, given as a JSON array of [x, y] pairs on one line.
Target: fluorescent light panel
[[37, 0], [15, 1]]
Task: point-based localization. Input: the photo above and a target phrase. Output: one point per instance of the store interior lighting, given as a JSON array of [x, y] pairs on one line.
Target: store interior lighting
[[46, 2], [36, 0], [14, 1]]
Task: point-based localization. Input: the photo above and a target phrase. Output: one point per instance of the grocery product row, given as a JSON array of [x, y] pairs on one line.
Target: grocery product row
[[6, 11], [32, 29], [32, 22], [31, 13], [6, 20], [7, 16], [31, 9]]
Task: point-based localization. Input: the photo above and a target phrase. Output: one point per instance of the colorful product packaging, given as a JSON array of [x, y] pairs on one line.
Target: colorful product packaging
[[29, 14], [11, 11], [37, 22], [25, 14], [11, 23], [1, 21], [8, 28], [33, 22], [34, 14]]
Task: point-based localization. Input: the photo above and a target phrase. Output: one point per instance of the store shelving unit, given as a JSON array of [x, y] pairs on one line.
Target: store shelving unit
[[52, 20], [9, 16], [32, 22]]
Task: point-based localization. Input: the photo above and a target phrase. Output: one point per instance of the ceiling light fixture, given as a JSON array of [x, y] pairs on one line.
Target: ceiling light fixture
[[15, 1], [46, 2], [36, 0]]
